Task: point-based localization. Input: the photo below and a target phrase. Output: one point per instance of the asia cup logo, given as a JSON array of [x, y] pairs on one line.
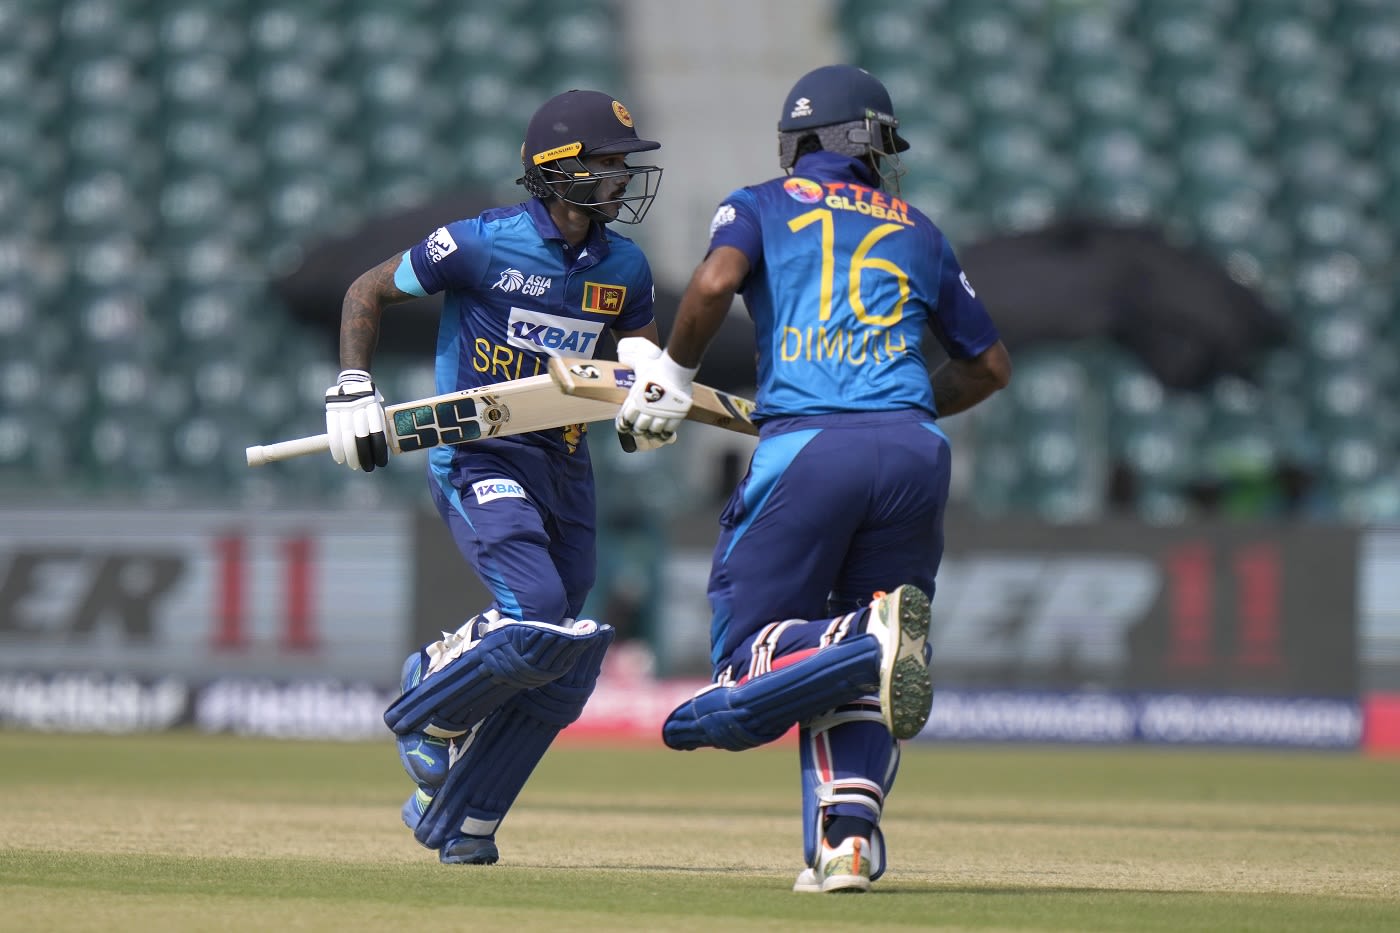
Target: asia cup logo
[[804, 190]]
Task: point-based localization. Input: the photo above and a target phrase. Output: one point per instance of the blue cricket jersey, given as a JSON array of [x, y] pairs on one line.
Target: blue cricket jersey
[[516, 294], [843, 280]]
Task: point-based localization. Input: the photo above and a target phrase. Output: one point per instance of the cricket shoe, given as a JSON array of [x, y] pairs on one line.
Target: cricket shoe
[[460, 850], [414, 807], [425, 757], [844, 869], [900, 621], [469, 850]]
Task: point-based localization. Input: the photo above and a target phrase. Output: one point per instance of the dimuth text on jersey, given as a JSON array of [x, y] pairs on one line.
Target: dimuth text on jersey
[[855, 347]]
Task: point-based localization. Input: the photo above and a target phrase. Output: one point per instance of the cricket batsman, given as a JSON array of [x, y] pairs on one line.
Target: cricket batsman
[[522, 283], [822, 576]]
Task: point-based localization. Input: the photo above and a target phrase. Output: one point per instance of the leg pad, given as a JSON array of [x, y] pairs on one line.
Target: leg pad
[[514, 657], [497, 760], [764, 708]]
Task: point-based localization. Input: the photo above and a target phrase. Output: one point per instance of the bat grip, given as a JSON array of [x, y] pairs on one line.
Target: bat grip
[[286, 450]]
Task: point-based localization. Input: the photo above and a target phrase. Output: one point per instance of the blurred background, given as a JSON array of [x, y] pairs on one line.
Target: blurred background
[[1182, 213]]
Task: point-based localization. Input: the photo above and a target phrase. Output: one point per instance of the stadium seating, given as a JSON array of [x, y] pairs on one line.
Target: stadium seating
[[1267, 133], [160, 160]]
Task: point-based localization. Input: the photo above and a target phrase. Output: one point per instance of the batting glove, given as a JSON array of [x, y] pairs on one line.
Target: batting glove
[[355, 422], [636, 352], [657, 402]]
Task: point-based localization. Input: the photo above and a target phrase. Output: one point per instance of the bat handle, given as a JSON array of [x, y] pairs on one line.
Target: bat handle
[[628, 442], [286, 450]]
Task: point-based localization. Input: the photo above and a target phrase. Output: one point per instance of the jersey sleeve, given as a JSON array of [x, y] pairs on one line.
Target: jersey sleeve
[[640, 308], [454, 256], [736, 224], [962, 325]]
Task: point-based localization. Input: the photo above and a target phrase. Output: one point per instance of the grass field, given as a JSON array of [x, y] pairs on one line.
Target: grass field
[[189, 832]]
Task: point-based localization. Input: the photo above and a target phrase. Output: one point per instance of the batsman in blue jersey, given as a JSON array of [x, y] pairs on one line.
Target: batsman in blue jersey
[[521, 284], [824, 570]]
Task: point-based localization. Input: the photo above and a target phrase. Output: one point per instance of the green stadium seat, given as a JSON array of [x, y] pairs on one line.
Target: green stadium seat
[[376, 31], [190, 203], [1013, 151], [399, 89], [489, 38], [1309, 104], [1282, 44], [35, 449], [1345, 403], [404, 147], [1353, 462], [984, 34], [209, 142], [1370, 36], [998, 476], [203, 85], [1158, 451], [490, 158], [215, 28], [1180, 36], [904, 32], [103, 205], [27, 30], [1021, 205]]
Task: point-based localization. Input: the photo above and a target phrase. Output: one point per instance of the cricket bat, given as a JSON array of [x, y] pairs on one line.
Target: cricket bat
[[609, 381], [516, 406]]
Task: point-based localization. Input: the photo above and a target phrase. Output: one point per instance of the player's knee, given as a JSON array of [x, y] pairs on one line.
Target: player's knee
[[709, 719], [561, 701], [547, 602]]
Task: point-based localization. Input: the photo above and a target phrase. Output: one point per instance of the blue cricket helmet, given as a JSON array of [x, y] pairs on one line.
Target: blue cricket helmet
[[849, 111], [569, 128], [594, 122]]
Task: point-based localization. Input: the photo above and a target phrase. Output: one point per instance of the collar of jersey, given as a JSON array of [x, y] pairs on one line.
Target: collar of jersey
[[597, 242], [834, 165]]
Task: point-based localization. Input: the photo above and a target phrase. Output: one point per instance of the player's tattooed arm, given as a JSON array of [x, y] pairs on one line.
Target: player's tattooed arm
[[960, 384], [364, 303]]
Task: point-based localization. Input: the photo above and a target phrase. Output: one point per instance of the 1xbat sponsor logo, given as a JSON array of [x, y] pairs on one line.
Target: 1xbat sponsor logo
[[550, 334], [489, 490]]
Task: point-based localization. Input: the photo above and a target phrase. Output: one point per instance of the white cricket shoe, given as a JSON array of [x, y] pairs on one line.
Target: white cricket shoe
[[842, 870], [900, 621]]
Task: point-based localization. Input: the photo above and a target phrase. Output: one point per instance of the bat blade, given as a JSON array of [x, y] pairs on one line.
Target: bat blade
[[610, 381]]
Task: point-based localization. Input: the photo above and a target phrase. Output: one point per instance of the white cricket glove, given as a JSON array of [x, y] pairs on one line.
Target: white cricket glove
[[636, 352], [355, 422], [658, 401]]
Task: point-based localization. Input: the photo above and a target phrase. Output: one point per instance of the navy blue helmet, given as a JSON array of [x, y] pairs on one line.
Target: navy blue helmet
[[568, 129], [849, 111]]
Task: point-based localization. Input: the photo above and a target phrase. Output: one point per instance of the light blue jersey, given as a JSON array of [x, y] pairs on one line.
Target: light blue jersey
[[843, 280]]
